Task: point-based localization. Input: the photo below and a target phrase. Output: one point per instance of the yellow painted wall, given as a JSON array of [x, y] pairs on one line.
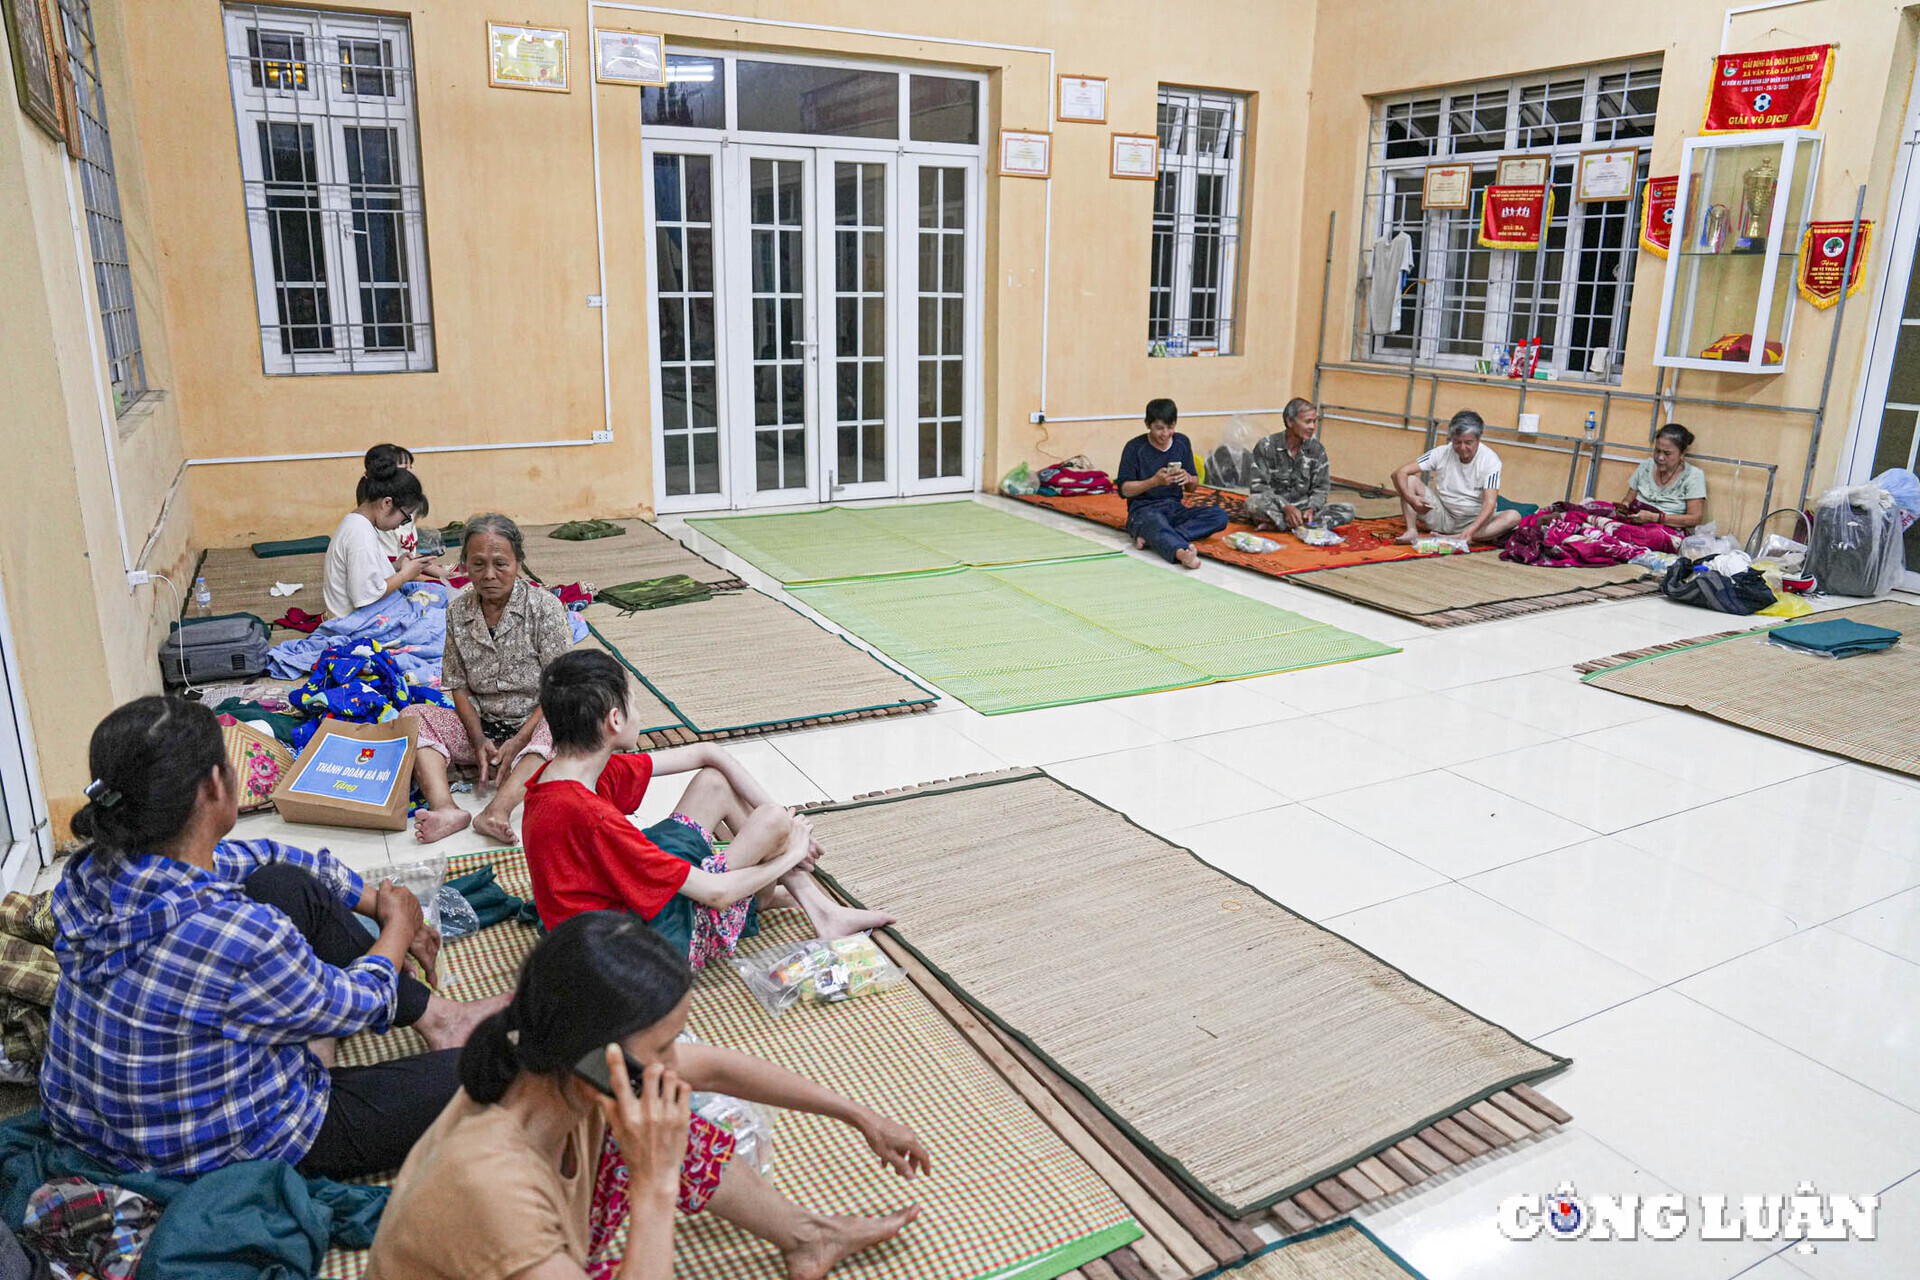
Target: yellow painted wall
[[83, 640], [1390, 46], [508, 178]]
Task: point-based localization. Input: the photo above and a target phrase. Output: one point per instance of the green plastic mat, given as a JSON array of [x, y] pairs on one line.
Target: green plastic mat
[[859, 542], [1044, 635]]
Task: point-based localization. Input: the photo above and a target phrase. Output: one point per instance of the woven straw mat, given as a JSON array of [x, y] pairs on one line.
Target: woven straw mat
[[1435, 584], [1256, 1051], [1005, 1188], [1866, 708]]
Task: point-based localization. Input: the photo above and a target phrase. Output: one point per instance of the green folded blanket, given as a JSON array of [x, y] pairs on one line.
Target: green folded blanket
[[292, 547], [490, 902], [1835, 638], [1524, 508], [587, 530], [654, 593]]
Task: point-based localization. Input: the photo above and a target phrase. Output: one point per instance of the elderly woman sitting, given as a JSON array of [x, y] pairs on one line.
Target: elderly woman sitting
[[1666, 488], [501, 634], [203, 980]]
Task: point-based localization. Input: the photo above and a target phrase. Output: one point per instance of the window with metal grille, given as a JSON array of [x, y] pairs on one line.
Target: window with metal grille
[[1461, 302], [330, 168], [100, 194], [1193, 284]]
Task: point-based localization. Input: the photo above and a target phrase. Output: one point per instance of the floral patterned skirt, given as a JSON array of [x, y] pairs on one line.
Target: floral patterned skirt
[[709, 1147]]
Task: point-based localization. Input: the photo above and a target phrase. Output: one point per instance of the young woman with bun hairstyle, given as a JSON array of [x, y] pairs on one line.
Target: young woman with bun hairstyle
[[203, 980], [358, 569]]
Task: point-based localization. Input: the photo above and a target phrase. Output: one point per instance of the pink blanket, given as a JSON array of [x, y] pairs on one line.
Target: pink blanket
[[1584, 534]]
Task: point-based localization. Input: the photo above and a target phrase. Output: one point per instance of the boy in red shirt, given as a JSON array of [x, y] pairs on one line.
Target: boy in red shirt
[[584, 854]]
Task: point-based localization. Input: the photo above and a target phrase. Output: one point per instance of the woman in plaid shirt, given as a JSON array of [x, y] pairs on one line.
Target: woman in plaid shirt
[[202, 980]]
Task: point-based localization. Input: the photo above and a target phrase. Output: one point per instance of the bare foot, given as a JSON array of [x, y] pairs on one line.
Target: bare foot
[[1408, 538], [438, 824], [323, 1050], [1188, 557], [496, 826], [837, 921], [1139, 544], [828, 1241], [447, 1023]]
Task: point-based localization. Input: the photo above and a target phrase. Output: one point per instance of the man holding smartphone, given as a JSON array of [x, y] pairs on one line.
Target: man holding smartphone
[[1156, 470]]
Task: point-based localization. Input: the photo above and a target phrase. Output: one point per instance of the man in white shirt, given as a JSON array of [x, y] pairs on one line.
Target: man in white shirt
[[1452, 489]]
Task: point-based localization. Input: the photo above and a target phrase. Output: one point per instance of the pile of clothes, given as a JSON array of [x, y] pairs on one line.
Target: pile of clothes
[[28, 976], [358, 680], [1586, 533], [1076, 477]]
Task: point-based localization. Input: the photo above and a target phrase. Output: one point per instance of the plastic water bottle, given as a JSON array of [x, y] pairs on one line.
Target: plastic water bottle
[[1592, 425], [202, 597]]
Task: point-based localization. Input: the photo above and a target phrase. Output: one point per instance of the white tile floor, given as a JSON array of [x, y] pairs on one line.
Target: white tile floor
[[1721, 930]]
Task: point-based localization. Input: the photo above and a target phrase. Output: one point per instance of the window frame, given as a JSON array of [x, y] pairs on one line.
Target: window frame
[[1177, 228], [106, 222], [1506, 298], [317, 99]]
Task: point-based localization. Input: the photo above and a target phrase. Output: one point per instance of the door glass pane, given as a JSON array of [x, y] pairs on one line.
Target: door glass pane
[[785, 97], [695, 96], [860, 337], [941, 109], [941, 295], [689, 380], [776, 248]]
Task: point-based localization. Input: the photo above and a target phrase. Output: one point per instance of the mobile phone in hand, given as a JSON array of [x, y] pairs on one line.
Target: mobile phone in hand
[[592, 1067]]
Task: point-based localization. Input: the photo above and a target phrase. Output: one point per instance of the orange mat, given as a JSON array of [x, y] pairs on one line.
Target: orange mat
[[1367, 541]]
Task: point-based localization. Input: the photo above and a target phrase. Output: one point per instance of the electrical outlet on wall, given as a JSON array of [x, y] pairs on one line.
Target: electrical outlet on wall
[[603, 436]]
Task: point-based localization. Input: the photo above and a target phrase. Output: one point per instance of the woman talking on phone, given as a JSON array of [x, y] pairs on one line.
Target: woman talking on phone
[[572, 1118]]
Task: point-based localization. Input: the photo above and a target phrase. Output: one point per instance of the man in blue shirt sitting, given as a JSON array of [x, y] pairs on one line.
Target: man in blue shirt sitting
[[1156, 469]]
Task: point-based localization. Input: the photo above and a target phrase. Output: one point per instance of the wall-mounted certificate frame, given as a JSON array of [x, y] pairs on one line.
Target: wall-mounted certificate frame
[[528, 58], [1080, 99], [630, 57], [1135, 155], [1448, 186], [1607, 177], [1521, 171], [1025, 153]]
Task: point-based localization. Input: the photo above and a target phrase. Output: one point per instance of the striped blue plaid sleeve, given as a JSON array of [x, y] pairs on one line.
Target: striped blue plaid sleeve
[[235, 860], [290, 994]]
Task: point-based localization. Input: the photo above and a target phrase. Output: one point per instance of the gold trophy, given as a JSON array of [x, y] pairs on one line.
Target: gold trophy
[[1757, 186]]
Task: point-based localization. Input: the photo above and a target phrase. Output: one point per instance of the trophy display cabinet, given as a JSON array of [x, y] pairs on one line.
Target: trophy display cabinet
[[1742, 210]]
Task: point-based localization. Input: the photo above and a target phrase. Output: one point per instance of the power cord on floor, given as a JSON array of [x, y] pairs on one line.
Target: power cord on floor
[[139, 577]]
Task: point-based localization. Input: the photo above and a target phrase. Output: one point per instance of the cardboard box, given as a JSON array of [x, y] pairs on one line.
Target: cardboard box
[[352, 775]]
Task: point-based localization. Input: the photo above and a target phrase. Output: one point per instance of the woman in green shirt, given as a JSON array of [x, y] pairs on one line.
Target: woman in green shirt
[[1666, 488]]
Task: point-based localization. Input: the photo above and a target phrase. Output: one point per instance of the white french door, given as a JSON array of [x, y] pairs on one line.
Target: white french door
[[816, 322]]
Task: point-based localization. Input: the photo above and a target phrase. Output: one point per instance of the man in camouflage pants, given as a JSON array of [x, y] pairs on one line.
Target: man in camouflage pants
[[1292, 479]]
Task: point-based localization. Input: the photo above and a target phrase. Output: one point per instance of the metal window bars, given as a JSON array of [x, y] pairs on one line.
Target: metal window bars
[[1573, 293], [324, 109], [1193, 285], [100, 195]]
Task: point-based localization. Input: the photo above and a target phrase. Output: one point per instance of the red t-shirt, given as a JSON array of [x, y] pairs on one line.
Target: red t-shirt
[[583, 853]]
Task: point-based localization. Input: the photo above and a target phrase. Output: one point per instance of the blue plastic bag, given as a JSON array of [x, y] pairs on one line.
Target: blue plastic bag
[[1905, 488]]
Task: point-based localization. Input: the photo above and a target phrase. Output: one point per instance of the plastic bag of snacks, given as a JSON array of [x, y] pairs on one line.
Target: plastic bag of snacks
[[819, 971], [1241, 540], [1316, 536], [1433, 545], [750, 1124]]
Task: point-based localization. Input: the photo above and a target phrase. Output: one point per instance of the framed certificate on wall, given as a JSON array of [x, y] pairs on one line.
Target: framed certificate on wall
[[527, 57], [1521, 171], [1607, 176], [1448, 186], [1081, 99], [629, 57], [1025, 153], [1135, 155]]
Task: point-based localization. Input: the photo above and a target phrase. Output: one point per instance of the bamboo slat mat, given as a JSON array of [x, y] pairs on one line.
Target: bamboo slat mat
[[240, 580], [859, 542], [1347, 1251], [1252, 1052], [1445, 591], [745, 661], [642, 552], [1005, 1190], [1866, 708]]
